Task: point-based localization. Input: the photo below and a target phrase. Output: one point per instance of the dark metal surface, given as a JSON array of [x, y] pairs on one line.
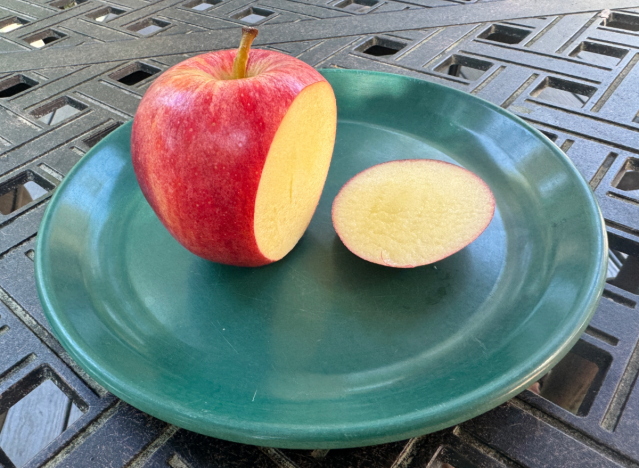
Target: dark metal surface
[[569, 68]]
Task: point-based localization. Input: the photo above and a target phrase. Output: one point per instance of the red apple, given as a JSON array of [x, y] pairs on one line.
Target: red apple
[[412, 212], [231, 150]]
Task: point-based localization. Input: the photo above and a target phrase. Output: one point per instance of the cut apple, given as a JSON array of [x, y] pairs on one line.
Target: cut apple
[[414, 212], [231, 150]]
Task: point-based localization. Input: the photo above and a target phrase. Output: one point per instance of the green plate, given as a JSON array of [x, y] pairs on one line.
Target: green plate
[[323, 349]]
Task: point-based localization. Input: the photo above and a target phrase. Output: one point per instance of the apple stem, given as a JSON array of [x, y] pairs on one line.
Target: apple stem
[[239, 64]]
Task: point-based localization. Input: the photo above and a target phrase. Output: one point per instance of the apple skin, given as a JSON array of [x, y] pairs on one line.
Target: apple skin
[[200, 141]]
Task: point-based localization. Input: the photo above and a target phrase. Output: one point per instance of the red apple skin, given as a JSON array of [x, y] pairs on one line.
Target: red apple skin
[[200, 141]]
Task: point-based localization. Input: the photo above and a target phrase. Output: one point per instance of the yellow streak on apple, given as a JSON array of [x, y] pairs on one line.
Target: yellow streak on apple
[[295, 170], [411, 212]]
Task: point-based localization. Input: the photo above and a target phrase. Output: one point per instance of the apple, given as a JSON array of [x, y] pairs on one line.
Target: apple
[[231, 149], [411, 212]]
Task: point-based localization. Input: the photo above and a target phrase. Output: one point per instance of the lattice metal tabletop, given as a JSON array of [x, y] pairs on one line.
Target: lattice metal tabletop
[[71, 71]]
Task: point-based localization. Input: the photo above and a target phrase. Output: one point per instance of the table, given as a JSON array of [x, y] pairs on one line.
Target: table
[[71, 71]]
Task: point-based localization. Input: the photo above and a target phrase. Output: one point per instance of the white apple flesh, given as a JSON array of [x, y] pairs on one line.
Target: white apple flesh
[[409, 213]]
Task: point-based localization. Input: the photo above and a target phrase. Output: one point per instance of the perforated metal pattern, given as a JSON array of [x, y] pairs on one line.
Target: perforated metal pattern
[[569, 68]]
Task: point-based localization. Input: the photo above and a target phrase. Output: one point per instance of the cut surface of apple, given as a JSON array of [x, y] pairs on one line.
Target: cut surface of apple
[[295, 171], [414, 212]]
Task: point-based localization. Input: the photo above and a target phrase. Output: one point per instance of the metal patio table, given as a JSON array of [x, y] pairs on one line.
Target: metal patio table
[[72, 71]]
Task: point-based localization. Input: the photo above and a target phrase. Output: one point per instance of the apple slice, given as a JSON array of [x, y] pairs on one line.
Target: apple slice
[[411, 212]]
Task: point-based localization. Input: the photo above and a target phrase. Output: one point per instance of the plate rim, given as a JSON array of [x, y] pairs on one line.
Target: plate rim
[[406, 426]]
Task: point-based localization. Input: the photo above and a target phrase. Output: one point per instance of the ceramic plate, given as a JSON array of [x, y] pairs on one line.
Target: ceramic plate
[[322, 349]]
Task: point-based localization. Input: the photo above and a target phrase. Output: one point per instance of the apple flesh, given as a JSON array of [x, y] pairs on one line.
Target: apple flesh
[[234, 166], [414, 212]]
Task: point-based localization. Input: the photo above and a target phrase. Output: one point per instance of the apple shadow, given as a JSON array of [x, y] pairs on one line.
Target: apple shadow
[[358, 275]]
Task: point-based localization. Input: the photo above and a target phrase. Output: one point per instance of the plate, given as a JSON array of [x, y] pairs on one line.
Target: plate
[[323, 349]]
